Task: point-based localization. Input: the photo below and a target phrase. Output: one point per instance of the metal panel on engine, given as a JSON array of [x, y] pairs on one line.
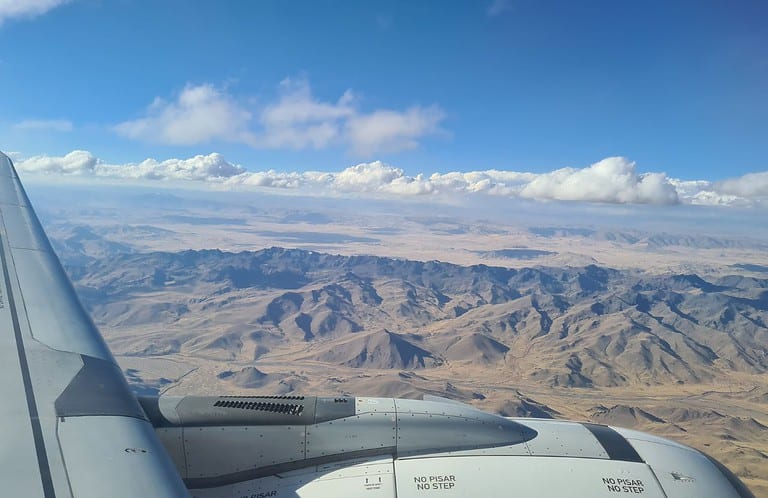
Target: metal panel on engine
[[369, 432], [427, 426], [372, 478], [541, 477], [172, 439], [556, 438], [220, 451], [684, 472]]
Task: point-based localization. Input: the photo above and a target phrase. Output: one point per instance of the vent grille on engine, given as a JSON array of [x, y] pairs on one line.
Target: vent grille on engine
[[298, 398], [262, 406]]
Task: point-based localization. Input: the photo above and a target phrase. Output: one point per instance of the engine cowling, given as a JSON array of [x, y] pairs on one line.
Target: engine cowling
[[297, 446]]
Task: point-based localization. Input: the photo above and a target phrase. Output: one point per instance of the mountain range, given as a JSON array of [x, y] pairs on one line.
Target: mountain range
[[680, 354], [576, 327]]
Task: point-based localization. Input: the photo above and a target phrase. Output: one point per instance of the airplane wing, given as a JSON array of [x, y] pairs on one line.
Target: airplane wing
[[69, 425]]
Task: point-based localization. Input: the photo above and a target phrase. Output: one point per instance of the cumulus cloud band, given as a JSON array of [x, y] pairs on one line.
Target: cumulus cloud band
[[613, 180], [296, 120], [81, 163]]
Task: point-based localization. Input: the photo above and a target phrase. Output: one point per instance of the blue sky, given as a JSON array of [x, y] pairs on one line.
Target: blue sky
[[430, 87]]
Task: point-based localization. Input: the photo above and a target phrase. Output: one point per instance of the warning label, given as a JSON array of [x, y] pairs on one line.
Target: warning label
[[372, 484], [435, 482], [622, 485]]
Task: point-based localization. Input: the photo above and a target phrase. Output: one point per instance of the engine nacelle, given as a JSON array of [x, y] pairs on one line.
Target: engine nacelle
[[296, 446]]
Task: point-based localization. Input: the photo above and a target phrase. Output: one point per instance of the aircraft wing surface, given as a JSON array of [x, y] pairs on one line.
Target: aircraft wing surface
[[69, 425]]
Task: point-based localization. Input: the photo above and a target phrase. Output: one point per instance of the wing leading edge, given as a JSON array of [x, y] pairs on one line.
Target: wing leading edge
[[69, 425]]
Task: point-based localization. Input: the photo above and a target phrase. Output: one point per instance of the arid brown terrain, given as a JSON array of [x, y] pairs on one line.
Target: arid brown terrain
[[633, 319], [677, 355]]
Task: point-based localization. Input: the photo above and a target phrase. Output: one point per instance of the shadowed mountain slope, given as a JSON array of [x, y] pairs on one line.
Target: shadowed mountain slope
[[577, 327]]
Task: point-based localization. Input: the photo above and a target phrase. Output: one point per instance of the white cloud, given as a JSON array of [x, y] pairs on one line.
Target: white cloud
[[77, 162], [750, 185], [490, 181], [205, 168], [712, 198], [689, 188], [613, 180], [744, 191], [275, 179], [45, 124], [10, 9], [295, 120], [212, 167], [200, 114], [298, 120], [392, 131], [367, 177], [297, 105]]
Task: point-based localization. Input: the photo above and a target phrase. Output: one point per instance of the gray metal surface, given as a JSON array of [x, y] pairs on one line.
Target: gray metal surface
[[521, 476], [98, 389], [368, 477], [559, 467], [430, 426], [682, 471], [172, 439], [49, 351], [375, 432], [115, 456], [232, 439], [561, 438], [56, 317], [616, 445], [200, 411], [437, 447], [218, 451]]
